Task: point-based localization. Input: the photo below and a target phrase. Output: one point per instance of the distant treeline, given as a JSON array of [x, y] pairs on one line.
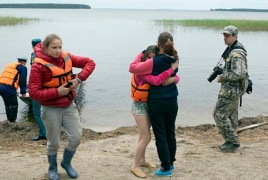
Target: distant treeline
[[242, 9], [46, 6]]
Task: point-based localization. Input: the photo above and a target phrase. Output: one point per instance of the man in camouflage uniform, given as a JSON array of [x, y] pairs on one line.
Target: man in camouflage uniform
[[234, 81]]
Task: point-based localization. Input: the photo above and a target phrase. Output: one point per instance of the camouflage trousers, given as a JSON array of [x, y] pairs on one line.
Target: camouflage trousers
[[226, 117]]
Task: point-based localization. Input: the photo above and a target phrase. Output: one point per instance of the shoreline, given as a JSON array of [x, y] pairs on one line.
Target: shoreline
[[112, 154], [107, 129]]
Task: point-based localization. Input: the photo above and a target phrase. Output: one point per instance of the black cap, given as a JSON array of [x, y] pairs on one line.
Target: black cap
[[22, 59]]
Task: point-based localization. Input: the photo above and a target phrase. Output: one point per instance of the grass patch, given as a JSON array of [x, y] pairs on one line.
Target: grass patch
[[244, 25], [10, 20]]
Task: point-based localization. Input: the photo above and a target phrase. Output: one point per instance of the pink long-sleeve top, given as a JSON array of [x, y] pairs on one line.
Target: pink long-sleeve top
[[138, 67], [143, 75]]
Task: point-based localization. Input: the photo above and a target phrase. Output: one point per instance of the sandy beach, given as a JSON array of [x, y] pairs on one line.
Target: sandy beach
[[109, 155]]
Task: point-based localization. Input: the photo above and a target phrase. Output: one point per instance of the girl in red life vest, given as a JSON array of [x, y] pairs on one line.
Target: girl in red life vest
[[140, 85], [50, 74]]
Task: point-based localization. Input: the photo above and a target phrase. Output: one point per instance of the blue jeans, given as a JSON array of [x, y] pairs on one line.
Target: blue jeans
[[37, 117]]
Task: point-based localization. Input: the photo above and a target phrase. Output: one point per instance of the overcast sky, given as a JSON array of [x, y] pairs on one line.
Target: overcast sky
[[159, 4]]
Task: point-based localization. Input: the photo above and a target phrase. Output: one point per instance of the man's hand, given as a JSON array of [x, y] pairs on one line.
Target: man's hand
[[219, 78], [23, 95]]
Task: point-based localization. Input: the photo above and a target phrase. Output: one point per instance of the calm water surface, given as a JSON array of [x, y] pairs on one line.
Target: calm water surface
[[114, 37]]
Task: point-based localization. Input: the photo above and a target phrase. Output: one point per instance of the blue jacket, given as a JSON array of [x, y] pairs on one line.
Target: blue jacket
[[163, 94]]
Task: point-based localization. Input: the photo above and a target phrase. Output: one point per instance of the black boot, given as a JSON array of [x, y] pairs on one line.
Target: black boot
[[222, 132], [7, 113], [228, 146], [13, 111], [66, 163], [52, 170]]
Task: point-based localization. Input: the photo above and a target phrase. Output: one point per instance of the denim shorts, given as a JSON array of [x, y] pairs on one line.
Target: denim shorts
[[139, 108]]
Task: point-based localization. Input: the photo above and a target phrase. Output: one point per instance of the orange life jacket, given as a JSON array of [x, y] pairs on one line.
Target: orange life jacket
[[139, 93], [10, 75], [59, 75]]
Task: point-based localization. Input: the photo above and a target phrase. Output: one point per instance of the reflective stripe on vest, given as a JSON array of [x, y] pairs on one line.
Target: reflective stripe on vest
[[10, 75], [59, 75], [139, 93]]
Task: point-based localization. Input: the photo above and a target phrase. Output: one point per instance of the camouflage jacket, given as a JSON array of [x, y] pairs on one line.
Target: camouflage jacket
[[234, 78]]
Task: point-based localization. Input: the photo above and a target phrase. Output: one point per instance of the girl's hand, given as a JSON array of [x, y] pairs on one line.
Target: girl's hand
[[75, 83], [169, 81], [62, 90], [175, 65]]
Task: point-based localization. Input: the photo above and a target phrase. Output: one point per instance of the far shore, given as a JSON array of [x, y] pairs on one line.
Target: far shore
[[241, 10], [45, 6]]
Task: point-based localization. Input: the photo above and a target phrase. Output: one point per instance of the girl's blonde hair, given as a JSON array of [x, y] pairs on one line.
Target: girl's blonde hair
[[49, 39]]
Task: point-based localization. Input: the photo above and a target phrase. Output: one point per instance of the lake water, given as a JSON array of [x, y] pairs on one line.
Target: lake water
[[112, 38]]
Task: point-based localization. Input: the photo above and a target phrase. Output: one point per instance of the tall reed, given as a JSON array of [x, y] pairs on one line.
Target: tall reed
[[11, 20], [241, 24]]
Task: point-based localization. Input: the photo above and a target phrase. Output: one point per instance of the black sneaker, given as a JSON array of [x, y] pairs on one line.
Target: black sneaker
[[229, 146]]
